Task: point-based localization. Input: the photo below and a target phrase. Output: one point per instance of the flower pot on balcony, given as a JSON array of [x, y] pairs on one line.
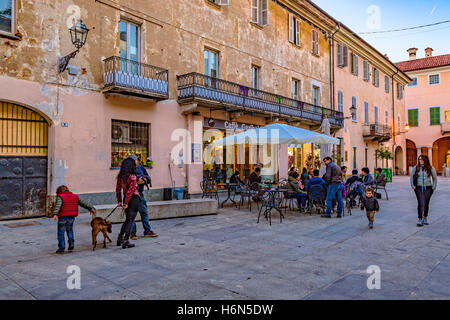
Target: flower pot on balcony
[[373, 129]]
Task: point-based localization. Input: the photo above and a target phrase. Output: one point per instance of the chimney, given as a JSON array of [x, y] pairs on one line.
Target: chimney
[[412, 53], [428, 52]]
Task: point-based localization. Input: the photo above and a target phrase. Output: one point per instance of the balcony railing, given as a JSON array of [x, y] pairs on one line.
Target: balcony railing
[[195, 86], [135, 78], [445, 127], [377, 132]]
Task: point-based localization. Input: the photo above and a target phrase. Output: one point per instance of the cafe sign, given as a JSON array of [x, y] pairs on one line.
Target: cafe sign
[[228, 125]]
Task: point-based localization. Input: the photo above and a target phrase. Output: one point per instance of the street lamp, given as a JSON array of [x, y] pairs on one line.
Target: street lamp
[[78, 34], [352, 112]]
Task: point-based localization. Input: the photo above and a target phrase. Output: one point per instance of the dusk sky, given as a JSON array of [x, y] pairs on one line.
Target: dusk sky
[[395, 15]]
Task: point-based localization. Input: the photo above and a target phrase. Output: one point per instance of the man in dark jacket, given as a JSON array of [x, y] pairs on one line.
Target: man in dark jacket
[[380, 181], [333, 178], [255, 183], [143, 179], [353, 185]]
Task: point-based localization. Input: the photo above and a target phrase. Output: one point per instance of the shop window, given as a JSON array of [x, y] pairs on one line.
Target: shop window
[[7, 15], [128, 138]]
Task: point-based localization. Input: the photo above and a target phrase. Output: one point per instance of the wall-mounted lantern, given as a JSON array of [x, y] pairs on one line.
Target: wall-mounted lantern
[[78, 34]]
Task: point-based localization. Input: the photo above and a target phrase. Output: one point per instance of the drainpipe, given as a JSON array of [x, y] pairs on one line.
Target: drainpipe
[[393, 121], [332, 89]]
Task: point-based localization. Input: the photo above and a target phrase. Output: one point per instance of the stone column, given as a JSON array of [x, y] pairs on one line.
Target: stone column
[[195, 169], [430, 155]]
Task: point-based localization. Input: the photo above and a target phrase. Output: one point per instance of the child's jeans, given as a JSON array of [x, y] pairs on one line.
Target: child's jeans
[[65, 224], [370, 215]]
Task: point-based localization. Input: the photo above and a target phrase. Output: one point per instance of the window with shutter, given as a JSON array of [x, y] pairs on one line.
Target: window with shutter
[[224, 2], [297, 32], [399, 91], [435, 116], [386, 117], [366, 70], [295, 89], [366, 112], [315, 42], [255, 11], [345, 56], [264, 13], [354, 105], [386, 84], [291, 28], [413, 117], [376, 114], [340, 55], [355, 63], [340, 101]]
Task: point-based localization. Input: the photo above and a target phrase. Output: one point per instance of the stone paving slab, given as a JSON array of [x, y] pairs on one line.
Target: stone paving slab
[[230, 256]]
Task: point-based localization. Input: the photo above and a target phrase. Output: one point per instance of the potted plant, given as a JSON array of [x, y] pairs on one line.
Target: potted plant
[[385, 154]]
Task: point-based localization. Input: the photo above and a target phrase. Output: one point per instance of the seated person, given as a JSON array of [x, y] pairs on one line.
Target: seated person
[[296, 191], [235, 178], [316, 187], [255, 183], [366, 177], [292, 170], [354, 185], [381, 179]]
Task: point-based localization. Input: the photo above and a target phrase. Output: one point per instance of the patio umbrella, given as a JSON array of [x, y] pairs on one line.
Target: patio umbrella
[[276, 133]]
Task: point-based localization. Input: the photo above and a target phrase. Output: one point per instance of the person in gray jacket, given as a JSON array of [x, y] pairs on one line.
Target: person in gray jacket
[[423, 182], [333, 178]]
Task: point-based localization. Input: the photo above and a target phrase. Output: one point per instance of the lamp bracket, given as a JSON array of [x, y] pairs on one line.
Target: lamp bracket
[[64, 61]]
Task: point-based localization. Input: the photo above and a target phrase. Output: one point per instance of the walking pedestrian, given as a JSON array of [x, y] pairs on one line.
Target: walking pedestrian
[[65, 211], [333, 178], [424, 182], [370, 203], [143, 180], [127, 182]]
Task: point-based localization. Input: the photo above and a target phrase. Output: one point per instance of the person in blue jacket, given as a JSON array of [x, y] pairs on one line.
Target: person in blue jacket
[[143, 180], [316, 192]]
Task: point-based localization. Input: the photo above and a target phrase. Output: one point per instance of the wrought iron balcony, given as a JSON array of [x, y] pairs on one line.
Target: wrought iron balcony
[[377, 132], [134, 78], [445, 127], [198, 88]]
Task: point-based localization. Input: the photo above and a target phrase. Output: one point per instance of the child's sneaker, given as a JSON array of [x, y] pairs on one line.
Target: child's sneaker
[[371, 225], [425, 221], [420, 223]]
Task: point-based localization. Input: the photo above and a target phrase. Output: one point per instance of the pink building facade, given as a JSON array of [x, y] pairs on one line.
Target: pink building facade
[[428, 107]]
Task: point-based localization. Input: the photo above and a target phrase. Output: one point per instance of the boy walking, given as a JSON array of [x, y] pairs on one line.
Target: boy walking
[[370, 203], [65, 211]]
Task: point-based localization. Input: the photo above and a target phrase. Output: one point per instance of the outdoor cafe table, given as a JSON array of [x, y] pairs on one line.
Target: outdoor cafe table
[[228, 185], [272, 199]]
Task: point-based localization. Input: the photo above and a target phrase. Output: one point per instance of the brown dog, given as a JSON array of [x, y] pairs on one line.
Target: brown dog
[[100, 225]]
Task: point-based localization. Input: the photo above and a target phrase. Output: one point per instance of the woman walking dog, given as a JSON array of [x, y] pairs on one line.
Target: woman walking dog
[[127, 182], [423, 182]]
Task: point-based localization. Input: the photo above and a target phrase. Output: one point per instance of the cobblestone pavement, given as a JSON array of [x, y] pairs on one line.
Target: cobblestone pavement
[[229, 256]]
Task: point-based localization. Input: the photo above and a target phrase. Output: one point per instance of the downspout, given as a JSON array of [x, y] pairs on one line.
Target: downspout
[[393, 120], [332, 89]]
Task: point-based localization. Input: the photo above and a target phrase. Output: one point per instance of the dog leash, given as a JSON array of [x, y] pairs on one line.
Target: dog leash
[[111, 212]]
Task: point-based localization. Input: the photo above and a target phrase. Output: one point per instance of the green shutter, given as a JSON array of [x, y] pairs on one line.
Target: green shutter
[[435, 116], [413, 117]]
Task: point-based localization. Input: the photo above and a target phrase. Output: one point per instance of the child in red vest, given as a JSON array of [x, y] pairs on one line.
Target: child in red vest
[[66, 209]]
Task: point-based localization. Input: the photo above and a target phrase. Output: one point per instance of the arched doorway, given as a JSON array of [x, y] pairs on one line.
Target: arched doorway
[[441, 153], [411, 154], [399, 161], [23, 162]]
